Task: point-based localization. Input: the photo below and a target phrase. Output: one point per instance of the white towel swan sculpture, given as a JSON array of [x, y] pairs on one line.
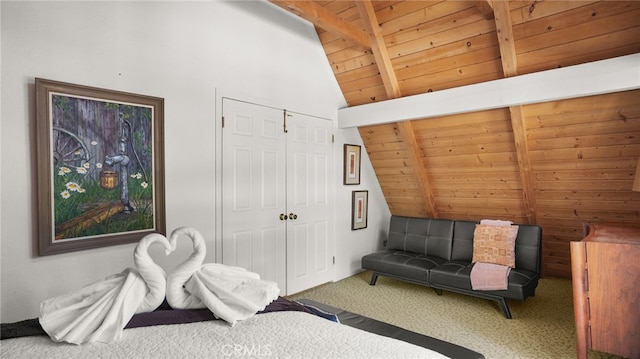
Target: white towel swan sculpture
[[99, 311], [231, 293]]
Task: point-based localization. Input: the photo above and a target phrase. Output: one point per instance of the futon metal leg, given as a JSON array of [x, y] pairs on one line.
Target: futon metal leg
[[374, 278], [504, 307], [438, 291]]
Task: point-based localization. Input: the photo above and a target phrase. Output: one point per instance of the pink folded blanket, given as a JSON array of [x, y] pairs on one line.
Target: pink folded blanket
[[489, 276]]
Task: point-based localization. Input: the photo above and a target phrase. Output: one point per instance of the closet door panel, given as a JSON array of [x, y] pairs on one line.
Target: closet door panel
[[241, 178], [300, 247], [269, 179], [253, 190], [309, 246], [321, 247]]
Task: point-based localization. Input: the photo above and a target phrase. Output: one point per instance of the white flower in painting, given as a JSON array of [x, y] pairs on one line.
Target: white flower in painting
[[81, 170], [81, 190], [136, 175], [144, 184], [86, 165], [94, 143], [63, 170], [72, 186], [99, 164], [65, 194]]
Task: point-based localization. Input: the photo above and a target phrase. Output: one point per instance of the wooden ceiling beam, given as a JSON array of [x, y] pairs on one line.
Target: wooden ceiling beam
[[379, 48], [504, 31], [485, 8], [392, 89], [325, 19], [607, 76], [414, 160]]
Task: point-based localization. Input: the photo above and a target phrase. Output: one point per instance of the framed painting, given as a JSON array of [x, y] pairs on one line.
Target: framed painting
[[359, 209], [351, 164], [100, 164]]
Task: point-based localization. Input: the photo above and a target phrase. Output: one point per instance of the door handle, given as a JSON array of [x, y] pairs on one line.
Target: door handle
[[293, 215], [283, 217]]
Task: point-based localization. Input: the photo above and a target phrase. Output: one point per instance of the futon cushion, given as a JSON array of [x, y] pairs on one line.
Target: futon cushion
[[429, 237], [495, 244], [528, 245], [408, 265], [463, 241], [522, 283], [453, 273]]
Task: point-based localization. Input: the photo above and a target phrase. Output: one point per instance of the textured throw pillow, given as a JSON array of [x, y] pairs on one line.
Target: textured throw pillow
[[495, 244]]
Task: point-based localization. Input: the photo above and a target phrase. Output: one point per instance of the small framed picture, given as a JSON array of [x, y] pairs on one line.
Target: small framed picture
[[359, 209], [351, 164]]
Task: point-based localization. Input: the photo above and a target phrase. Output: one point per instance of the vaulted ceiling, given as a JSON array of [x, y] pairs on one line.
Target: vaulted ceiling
[[558, 164]]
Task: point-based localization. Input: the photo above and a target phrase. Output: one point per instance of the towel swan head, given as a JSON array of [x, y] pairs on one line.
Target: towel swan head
[[177, 296], [99, 311], [152, 274]]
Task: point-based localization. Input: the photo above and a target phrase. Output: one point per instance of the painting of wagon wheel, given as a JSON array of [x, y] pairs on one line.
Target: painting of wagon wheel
[[100, 166]]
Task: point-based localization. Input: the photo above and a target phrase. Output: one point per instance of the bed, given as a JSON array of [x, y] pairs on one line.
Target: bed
[[285, 329]]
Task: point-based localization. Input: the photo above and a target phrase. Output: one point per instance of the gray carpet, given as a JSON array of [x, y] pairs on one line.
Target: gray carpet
[[542, 326]]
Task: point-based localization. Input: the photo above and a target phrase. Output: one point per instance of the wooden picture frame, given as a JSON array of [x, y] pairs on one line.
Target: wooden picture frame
[[359, 209], [100, 167], [352, 161]]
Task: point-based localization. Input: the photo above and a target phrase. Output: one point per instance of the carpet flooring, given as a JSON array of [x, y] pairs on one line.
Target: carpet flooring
[[542, 326]]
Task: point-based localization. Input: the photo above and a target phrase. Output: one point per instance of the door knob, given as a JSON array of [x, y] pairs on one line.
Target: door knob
[[293, 215], [283, 217]]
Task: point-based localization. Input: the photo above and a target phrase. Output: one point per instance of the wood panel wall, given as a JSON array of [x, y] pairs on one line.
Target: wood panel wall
[[583, 154], [558, 164]]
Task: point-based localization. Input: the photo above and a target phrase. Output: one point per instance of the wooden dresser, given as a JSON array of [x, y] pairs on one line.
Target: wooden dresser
[[605, 268]]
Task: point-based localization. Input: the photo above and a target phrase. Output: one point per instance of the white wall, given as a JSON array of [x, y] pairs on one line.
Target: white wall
[[352, 245], [190, 54]]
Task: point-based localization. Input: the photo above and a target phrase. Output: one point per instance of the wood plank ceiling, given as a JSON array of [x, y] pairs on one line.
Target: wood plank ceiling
[[559, 164]]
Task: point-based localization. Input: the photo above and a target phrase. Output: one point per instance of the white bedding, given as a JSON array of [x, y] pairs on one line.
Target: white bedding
[[270, 335]]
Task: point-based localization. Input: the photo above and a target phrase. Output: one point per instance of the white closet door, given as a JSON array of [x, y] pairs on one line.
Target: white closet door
[[269, 175], [253, 190], [309, 200]]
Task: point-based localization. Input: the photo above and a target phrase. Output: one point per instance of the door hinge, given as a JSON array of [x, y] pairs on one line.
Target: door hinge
[[222, 121], [333, 138], [334, 260]]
